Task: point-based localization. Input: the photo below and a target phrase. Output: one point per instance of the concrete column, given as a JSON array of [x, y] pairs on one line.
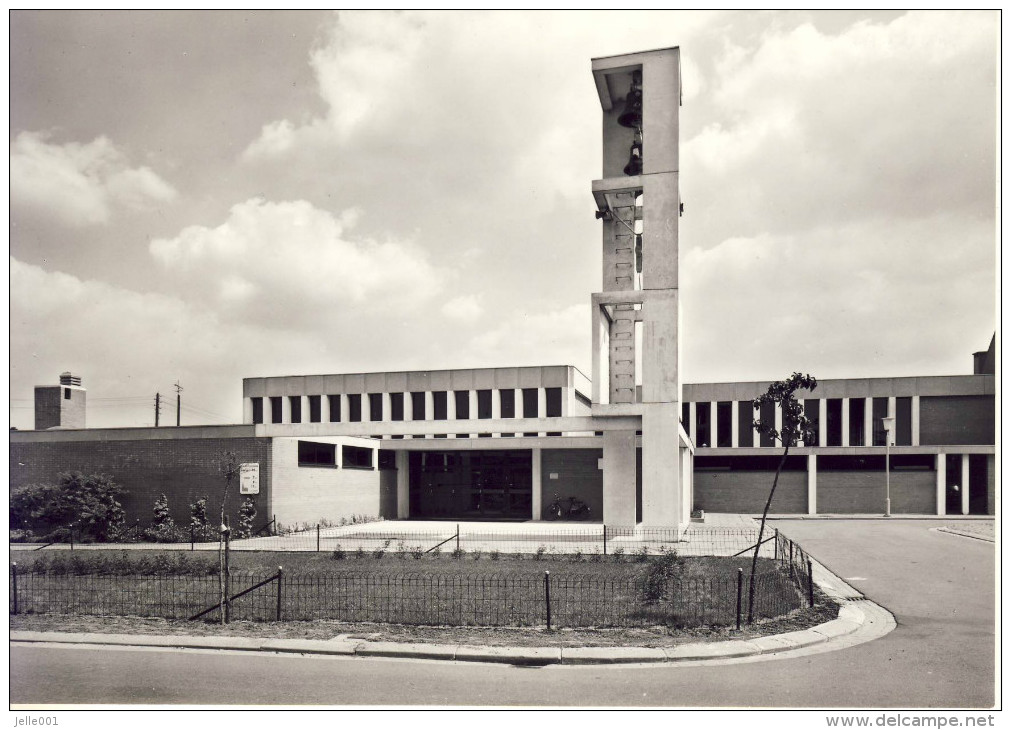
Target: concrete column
[[690, 427], [472, 404], [812, 484], [845, 421], [285, 409], [496, 407], [324, 408], [822, 422], [247, 410], [619, 478], [735, 424], [964, 486], [403, 485], [451, 405], [915, 419], [777, 417], [345, 408], [429, 410], [869, 421], [712, 423], [542, 406], [387, 406], [535, 486], [661, 472], [756, 435], [408, 406], [940, 484]]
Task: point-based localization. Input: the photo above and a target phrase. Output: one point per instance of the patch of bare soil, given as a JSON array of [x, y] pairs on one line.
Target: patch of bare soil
[[640, 637]]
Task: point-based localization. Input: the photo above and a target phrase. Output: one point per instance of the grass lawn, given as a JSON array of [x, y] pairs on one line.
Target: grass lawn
[[397, 588]]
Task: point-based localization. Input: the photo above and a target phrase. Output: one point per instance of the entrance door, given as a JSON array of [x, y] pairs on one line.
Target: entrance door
[[471, 484]]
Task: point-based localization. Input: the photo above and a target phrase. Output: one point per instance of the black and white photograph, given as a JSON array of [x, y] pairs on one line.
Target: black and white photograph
[[504, 360]]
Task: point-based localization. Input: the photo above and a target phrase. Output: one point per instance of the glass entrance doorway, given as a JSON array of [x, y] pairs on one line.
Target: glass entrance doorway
[[471, 484]]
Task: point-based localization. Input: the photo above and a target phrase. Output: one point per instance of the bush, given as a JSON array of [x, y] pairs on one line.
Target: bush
[[338, 553], [458, 553], [402, 551], [618, 554], [247, 514], [641, 555], [541, 550], [163, 527], [494, 555], [417, 553], [91, 503], [661, 573], [379, 552], [476, 555]]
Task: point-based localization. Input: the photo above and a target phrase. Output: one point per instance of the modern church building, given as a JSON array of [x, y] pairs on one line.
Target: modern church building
[[628, 439]]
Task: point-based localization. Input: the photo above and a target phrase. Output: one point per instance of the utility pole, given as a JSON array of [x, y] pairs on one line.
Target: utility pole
[[179, 390], [157, 408]]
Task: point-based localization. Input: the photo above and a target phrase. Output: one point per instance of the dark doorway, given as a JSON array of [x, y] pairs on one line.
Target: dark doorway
[[471, 484]]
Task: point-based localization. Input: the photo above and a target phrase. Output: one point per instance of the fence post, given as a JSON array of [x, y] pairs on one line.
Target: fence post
[[192, 538], [775, 546], [740, 586], [605, 539], [14, 587], [791, 559], [273, 524], [280, 581], [810, 583], [317, 537], [458, 538], [228, 573], [71, 537], [547, 596]]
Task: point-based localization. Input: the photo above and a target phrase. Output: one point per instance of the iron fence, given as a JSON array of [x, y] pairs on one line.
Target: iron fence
[[488, 599]]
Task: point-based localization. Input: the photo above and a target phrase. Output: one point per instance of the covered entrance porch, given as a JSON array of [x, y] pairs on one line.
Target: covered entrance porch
[[474, 485]]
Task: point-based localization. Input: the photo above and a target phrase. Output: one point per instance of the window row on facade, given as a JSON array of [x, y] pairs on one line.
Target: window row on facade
[[439, 405], [837, 421]]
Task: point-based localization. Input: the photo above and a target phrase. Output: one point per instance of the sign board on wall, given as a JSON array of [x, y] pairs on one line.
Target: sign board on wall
[[249, 478]]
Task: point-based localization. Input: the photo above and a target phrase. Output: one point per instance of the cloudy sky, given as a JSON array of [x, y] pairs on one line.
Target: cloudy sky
[[202, 197]]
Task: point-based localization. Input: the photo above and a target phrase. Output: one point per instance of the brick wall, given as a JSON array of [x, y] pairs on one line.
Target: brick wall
[[863, 492], [182, 469], [47, 407], [746, 491], [578, 476], [388, 494], [957, 419]]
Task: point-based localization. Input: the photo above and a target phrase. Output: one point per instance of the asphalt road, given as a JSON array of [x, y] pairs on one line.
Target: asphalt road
[[940, 588]]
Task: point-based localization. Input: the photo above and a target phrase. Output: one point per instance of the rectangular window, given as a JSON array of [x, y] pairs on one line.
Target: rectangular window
[[724, 423], [335, 408], [418, 405], [686, 414], [857, 411], [275, 409], [66, 394], [315, 409], [879, 409], [396, 406], [311, 453], [553, 402], [507, 402], [257, 410], [767, 415], [903, 421], [296, 408], [702, 431], [530, 403], [484, 404], [355, 407], [440, 409], [375, 406], [833, 421], [812, 411], [462, 404], [387, 459], [356, 457], [745, 424]]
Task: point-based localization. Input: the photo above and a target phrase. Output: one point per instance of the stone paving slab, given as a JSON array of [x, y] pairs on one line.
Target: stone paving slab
[[838, 627], [716, 650], [311, 646], [412, 651]]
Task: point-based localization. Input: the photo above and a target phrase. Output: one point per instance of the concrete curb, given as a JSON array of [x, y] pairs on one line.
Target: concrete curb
[[853, 625], [960, 533]]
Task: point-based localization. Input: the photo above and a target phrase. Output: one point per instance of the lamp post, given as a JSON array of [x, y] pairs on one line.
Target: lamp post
[[888, 422]]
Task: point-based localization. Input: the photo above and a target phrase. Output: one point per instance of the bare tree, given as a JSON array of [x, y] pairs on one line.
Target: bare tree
[[795, 427], [228, 466]]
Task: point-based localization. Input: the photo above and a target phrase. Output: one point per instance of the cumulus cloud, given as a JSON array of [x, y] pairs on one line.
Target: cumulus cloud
[[80, 184], [295, 264], [534, 338], [464, 308]]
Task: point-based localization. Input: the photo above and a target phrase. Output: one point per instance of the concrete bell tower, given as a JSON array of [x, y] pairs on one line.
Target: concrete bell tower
[[636, 333]]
